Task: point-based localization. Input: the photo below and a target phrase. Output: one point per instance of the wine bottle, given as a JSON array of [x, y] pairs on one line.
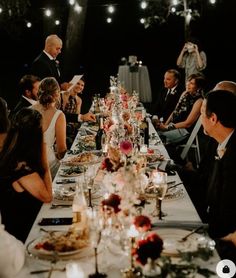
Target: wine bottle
[[145, 131], [99, 138]]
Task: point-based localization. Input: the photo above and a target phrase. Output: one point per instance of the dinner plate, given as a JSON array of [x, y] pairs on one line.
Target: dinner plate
[[172, 245], [73, 171], [41, 253], [85, 158], [174, 193]]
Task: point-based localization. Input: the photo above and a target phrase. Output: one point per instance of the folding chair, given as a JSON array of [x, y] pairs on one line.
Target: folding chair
[[193, 142]]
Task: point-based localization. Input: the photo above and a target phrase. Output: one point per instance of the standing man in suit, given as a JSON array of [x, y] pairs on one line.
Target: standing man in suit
[[218, 116], [168, 96], [46, 64], [28, 88]]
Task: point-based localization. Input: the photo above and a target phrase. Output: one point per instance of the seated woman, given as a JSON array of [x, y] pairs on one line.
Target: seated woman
[[186, 112], [54, 122], [12, 254], [4, 122], [25, 179], [70, 104]]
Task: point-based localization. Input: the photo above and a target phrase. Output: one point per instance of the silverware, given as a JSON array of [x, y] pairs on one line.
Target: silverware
[[173, 186], [54, 206], [183, 239], [46, 270]]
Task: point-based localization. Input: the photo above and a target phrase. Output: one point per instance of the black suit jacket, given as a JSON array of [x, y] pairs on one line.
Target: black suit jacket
[[221, 195], [164, 106], [43, 67], [21, 104]]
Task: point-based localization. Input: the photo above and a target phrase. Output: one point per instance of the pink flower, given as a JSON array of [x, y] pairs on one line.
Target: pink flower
[[126, 147]]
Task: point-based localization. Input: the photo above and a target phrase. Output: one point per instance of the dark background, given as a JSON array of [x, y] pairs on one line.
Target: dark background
[[102, 45]]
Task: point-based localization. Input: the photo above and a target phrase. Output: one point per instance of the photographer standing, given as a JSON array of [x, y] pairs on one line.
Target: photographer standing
[[192, 58]]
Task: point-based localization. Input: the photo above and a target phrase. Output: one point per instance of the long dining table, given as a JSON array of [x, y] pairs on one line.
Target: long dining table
[[180, 211]]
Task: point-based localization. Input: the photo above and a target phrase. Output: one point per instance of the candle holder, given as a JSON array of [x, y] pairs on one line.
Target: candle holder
[[132, 271]]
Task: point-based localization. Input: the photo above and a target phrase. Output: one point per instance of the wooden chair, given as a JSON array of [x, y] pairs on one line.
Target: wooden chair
[[192, 143]]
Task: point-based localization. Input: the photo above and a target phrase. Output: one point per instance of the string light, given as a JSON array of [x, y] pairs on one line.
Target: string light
[[109, 20], [78, 8], [142, 20], [57, 22], [28, 24], [48, 12], [111, 9], [175, 2], [143, 5], [173, 9], [0, 10], [71, 2], [212, 2]]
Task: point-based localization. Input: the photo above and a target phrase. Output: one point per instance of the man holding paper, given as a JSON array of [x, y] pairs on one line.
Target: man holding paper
[[46, 63]]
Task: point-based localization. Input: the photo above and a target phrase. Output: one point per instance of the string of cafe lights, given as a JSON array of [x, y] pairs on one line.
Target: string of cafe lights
[[112, 8]]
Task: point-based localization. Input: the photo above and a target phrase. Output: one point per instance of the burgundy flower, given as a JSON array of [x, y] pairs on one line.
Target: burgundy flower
[[112, 201], [150, 247], [107, 165], [126, 147], [142, 223]]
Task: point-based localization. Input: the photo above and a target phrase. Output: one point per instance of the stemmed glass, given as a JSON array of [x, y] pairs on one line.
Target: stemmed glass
[[95, 238], [159, 180]]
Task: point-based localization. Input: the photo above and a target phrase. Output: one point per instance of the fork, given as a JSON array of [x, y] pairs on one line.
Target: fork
[[183, 239]]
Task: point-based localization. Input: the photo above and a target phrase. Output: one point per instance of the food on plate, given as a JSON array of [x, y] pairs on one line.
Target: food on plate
[[62, 242]]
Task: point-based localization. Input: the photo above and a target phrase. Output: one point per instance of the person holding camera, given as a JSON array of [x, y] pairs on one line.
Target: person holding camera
[[192, 58]]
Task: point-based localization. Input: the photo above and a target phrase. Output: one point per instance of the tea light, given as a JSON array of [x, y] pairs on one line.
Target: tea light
[[143, 149], [74, 270], [132, 232], [159, 177]]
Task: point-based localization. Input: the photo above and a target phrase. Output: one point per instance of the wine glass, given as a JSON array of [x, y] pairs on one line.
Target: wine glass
[[159, 180], [95, 238]]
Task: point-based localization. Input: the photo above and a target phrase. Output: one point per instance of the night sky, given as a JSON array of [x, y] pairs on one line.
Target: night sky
[[103, 45]]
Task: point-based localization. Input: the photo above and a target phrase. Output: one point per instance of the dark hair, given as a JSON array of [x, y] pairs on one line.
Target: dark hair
[[48, 89], [223, 104], [24, 142], [27, 83], [195, 41], [4, 121], [200, 81], [176, 73]]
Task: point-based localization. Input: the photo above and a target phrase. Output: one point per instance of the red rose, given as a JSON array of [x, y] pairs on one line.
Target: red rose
[[150, 247], [142, 223], [112, 201]]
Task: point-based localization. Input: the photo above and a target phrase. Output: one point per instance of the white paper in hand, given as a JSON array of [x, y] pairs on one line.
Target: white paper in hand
[[74, 81]]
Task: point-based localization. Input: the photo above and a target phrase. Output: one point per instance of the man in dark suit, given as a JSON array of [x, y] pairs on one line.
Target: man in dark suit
[[168, 96], [46, 65], [28, 88], [218, 117]]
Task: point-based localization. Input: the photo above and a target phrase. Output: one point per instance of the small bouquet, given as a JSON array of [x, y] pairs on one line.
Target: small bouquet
[[150, 247], [112, 201], [142, 223]]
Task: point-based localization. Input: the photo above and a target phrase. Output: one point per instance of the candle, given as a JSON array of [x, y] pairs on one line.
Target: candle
[[106, 196], [132, 232], [143, 149], [74, 270]]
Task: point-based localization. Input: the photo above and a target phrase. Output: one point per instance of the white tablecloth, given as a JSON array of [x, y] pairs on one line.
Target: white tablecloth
[[136, 81]]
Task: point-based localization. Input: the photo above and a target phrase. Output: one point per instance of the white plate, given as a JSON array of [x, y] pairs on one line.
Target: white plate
[[45, 254], [63, 173], [171, 238], [174, 194], [92, 158]]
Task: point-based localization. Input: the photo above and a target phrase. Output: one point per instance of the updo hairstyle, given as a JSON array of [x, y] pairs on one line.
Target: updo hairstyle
[[48, 91]]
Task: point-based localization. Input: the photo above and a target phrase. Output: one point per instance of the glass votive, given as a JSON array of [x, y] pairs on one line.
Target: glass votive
[[143, 148]]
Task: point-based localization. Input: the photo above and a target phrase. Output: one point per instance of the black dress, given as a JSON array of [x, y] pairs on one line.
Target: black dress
[[18, 209]]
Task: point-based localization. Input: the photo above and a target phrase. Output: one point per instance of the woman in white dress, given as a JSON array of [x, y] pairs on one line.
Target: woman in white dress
[[54, 122]]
